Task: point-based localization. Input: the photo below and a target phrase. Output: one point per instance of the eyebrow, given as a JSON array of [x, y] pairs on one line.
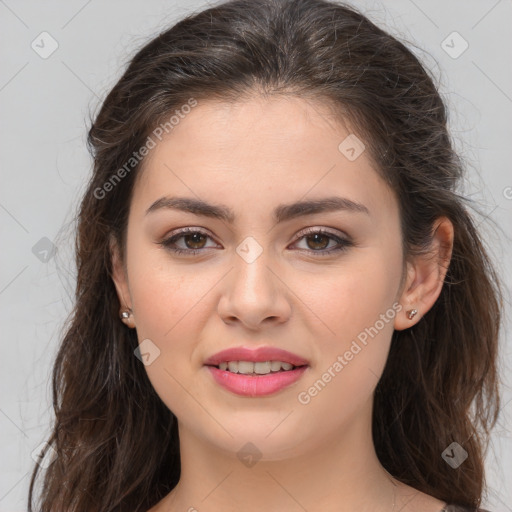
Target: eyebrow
[[282, 213]]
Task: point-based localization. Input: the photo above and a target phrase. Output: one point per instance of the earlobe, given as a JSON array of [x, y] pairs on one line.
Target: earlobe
[[404, 318], [120, 280], [126, 316], [426, 275]]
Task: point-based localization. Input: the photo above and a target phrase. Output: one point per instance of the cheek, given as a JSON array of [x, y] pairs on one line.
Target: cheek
[[363, 289], [358, 309], [166, 295], [168, 311], [159, 301]]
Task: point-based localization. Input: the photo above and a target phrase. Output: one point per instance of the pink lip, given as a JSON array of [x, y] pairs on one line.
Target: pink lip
[[259, 385], [256, 385], [256, 355]]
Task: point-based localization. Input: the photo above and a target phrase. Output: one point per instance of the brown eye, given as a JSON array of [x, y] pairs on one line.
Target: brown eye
[[188, 241], [195, 240], [318, 241]]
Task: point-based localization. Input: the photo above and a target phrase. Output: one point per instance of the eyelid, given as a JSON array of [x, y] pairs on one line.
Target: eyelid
[[343, 242], [323, 230], [300, 234], [187, 229], [342, 239]]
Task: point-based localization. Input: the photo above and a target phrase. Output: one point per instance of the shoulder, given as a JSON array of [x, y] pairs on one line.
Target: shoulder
[[461, 508]]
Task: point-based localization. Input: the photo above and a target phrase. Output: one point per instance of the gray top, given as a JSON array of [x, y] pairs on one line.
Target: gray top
[[461, 508]]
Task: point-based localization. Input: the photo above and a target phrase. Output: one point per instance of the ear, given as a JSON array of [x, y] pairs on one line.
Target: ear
[[425, 275], [120, 278]]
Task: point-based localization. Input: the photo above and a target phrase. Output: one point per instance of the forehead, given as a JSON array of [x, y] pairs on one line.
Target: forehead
[[261, 151]]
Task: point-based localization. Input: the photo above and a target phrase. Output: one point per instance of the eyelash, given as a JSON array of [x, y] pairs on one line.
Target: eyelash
[[344, 244]]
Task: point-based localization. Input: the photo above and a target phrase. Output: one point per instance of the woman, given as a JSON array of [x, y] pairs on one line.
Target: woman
[[282, 302]]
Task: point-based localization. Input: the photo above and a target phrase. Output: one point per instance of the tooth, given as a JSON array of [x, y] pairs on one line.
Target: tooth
[[275, 366], [233, 366], [245, 367], [262, 367], [259, 368]]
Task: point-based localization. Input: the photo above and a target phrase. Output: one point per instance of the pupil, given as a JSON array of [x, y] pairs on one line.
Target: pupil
[[316, 236], [195, 236]]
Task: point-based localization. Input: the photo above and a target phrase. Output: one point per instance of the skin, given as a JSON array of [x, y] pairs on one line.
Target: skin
[[252, 156]]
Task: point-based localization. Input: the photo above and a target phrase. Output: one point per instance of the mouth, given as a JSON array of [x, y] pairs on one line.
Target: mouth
[[254, 369], [256, 372], [244, 357]]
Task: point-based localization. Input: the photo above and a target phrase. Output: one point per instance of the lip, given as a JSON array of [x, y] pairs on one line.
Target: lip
[[256, 385], [255, 355]]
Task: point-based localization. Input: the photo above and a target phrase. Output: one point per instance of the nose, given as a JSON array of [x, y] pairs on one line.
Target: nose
[[254, 295]]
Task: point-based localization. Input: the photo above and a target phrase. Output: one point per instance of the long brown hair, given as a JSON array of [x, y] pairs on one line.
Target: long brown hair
[[116, 442]]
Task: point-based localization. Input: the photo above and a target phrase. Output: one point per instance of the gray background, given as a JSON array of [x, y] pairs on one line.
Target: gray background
[[45, 105]]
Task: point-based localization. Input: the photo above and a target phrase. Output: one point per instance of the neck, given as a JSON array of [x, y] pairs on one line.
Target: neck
[[340, 473]]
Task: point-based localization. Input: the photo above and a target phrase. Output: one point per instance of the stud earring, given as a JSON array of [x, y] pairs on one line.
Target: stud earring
[[126, 316], [411, 313], [125, 313]]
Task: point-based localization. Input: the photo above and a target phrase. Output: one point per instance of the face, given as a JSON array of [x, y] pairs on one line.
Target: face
[[322, 284]]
